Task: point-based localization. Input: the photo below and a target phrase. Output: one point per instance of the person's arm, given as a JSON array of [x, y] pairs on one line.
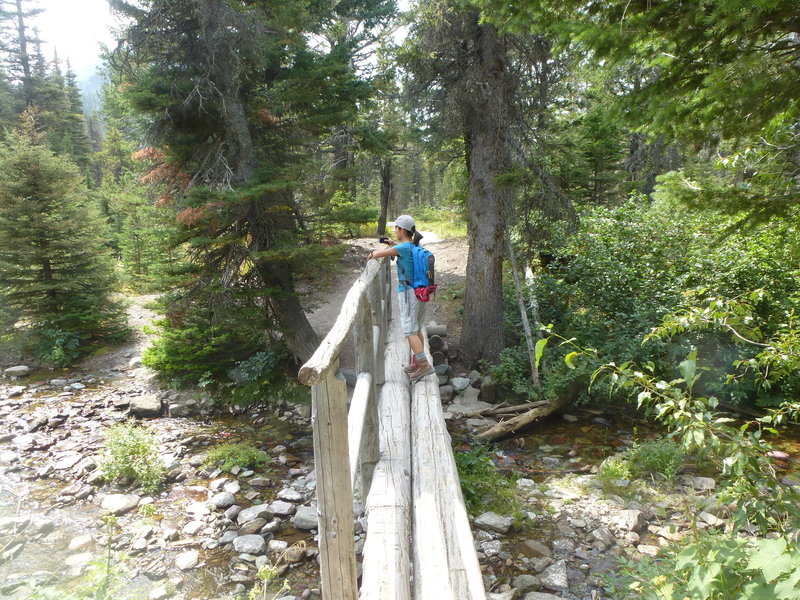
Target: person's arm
[[383, 252]]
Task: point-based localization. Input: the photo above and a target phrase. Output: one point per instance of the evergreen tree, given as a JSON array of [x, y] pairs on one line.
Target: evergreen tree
[[237, 96], [16, 42], [53, 263]]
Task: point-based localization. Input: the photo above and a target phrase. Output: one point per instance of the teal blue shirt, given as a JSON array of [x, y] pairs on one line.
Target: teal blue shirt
[[405, 265]]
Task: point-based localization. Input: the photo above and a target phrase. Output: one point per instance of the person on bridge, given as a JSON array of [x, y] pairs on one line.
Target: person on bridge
[[412, 311]]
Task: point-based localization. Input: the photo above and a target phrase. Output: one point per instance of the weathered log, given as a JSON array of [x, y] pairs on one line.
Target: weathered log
[[506, 427], [436, 329], [436, 342], [503, 409], [438, 359]]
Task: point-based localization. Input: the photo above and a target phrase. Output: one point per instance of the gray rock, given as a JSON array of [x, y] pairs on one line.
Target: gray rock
[[58, 382], [187, 560], [601, 538], [703, 483], [81, 542], [145, 406], [468, 402], [444, 370], [193, 527], [305, 518], [630, 520], [159, 593], [494, 522], [67, 462], [277, 546], [290, 495], [17, 390], [222, 500], [446, 393], [18, 371], [233, 512], [488, 390], [710, 519], [119, 504], [228, 537], [492, 548], [475, 379], [135, 362], [283, 509], [509, 595], [259, 511], [526, 583], [259, 481], [10, 525], [535, 549], [459, 383], [554, 577], [250, 544], [540, 596], [252, 527]]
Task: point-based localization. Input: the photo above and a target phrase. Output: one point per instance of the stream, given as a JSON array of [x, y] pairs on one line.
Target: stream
[[172, 545]]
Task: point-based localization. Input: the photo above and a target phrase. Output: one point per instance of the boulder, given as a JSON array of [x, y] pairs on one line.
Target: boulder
[[493, 522], [554, 577], [250, 544], [630, 520], [18, 371], [222, 500], [259, 511], [187, 560], [119, 504], [305, 518], [146, 406]]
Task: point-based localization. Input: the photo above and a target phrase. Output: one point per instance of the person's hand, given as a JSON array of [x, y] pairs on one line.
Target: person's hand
[[369, 256]]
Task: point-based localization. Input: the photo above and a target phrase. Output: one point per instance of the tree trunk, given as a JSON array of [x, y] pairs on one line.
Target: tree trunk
[[488, 204], [386, 193], [24, 59], [301, 339]]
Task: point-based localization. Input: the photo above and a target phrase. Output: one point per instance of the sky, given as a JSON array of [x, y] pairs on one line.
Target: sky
[[75, 28]]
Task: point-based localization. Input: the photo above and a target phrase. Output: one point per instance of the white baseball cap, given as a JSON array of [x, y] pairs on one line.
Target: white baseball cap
[[404, 222]]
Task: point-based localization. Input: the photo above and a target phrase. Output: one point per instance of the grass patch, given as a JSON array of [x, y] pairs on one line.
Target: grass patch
[[227, 456], [443, 222], [485, 488]]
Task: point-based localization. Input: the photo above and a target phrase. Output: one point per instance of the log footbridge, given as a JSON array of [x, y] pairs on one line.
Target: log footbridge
[[392, 448]]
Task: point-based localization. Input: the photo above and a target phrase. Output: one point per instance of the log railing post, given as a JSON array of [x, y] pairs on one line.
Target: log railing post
[[334, 490], [366, 362]]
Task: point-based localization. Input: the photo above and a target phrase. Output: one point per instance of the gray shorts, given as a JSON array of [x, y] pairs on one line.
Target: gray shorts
[[412, 312]]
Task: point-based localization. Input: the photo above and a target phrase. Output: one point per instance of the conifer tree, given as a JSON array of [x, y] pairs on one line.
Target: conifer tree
[[54, 266]]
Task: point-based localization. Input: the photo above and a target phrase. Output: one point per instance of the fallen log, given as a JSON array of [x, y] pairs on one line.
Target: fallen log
[[506, 427], [504, 409]]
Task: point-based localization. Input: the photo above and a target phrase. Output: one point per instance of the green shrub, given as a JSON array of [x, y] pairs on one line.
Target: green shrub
[[227, 456], [132, 452], [613, 470], [661, 457], [714, 567], [60, 348], [483, 485]]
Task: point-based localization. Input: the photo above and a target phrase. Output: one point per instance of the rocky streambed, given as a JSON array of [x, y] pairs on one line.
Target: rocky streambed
[[209, 532]]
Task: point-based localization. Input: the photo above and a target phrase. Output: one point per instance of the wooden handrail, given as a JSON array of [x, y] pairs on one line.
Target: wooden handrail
[[341, 459]]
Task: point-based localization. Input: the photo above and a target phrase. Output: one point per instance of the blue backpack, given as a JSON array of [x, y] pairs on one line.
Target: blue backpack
[[423, 276]]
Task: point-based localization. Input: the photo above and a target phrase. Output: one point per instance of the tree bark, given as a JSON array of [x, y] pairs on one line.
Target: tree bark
[[386, 193], [488, 204]]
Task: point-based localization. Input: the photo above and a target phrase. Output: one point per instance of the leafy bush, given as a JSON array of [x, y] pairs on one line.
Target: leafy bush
[[714, 567], [60, 348], [227, 456], [132, 453], [483, 485], [256, 377], [661, 457], [612, 471]]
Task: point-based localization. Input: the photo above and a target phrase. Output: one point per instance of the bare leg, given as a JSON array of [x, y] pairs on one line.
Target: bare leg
[[415, 342]]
